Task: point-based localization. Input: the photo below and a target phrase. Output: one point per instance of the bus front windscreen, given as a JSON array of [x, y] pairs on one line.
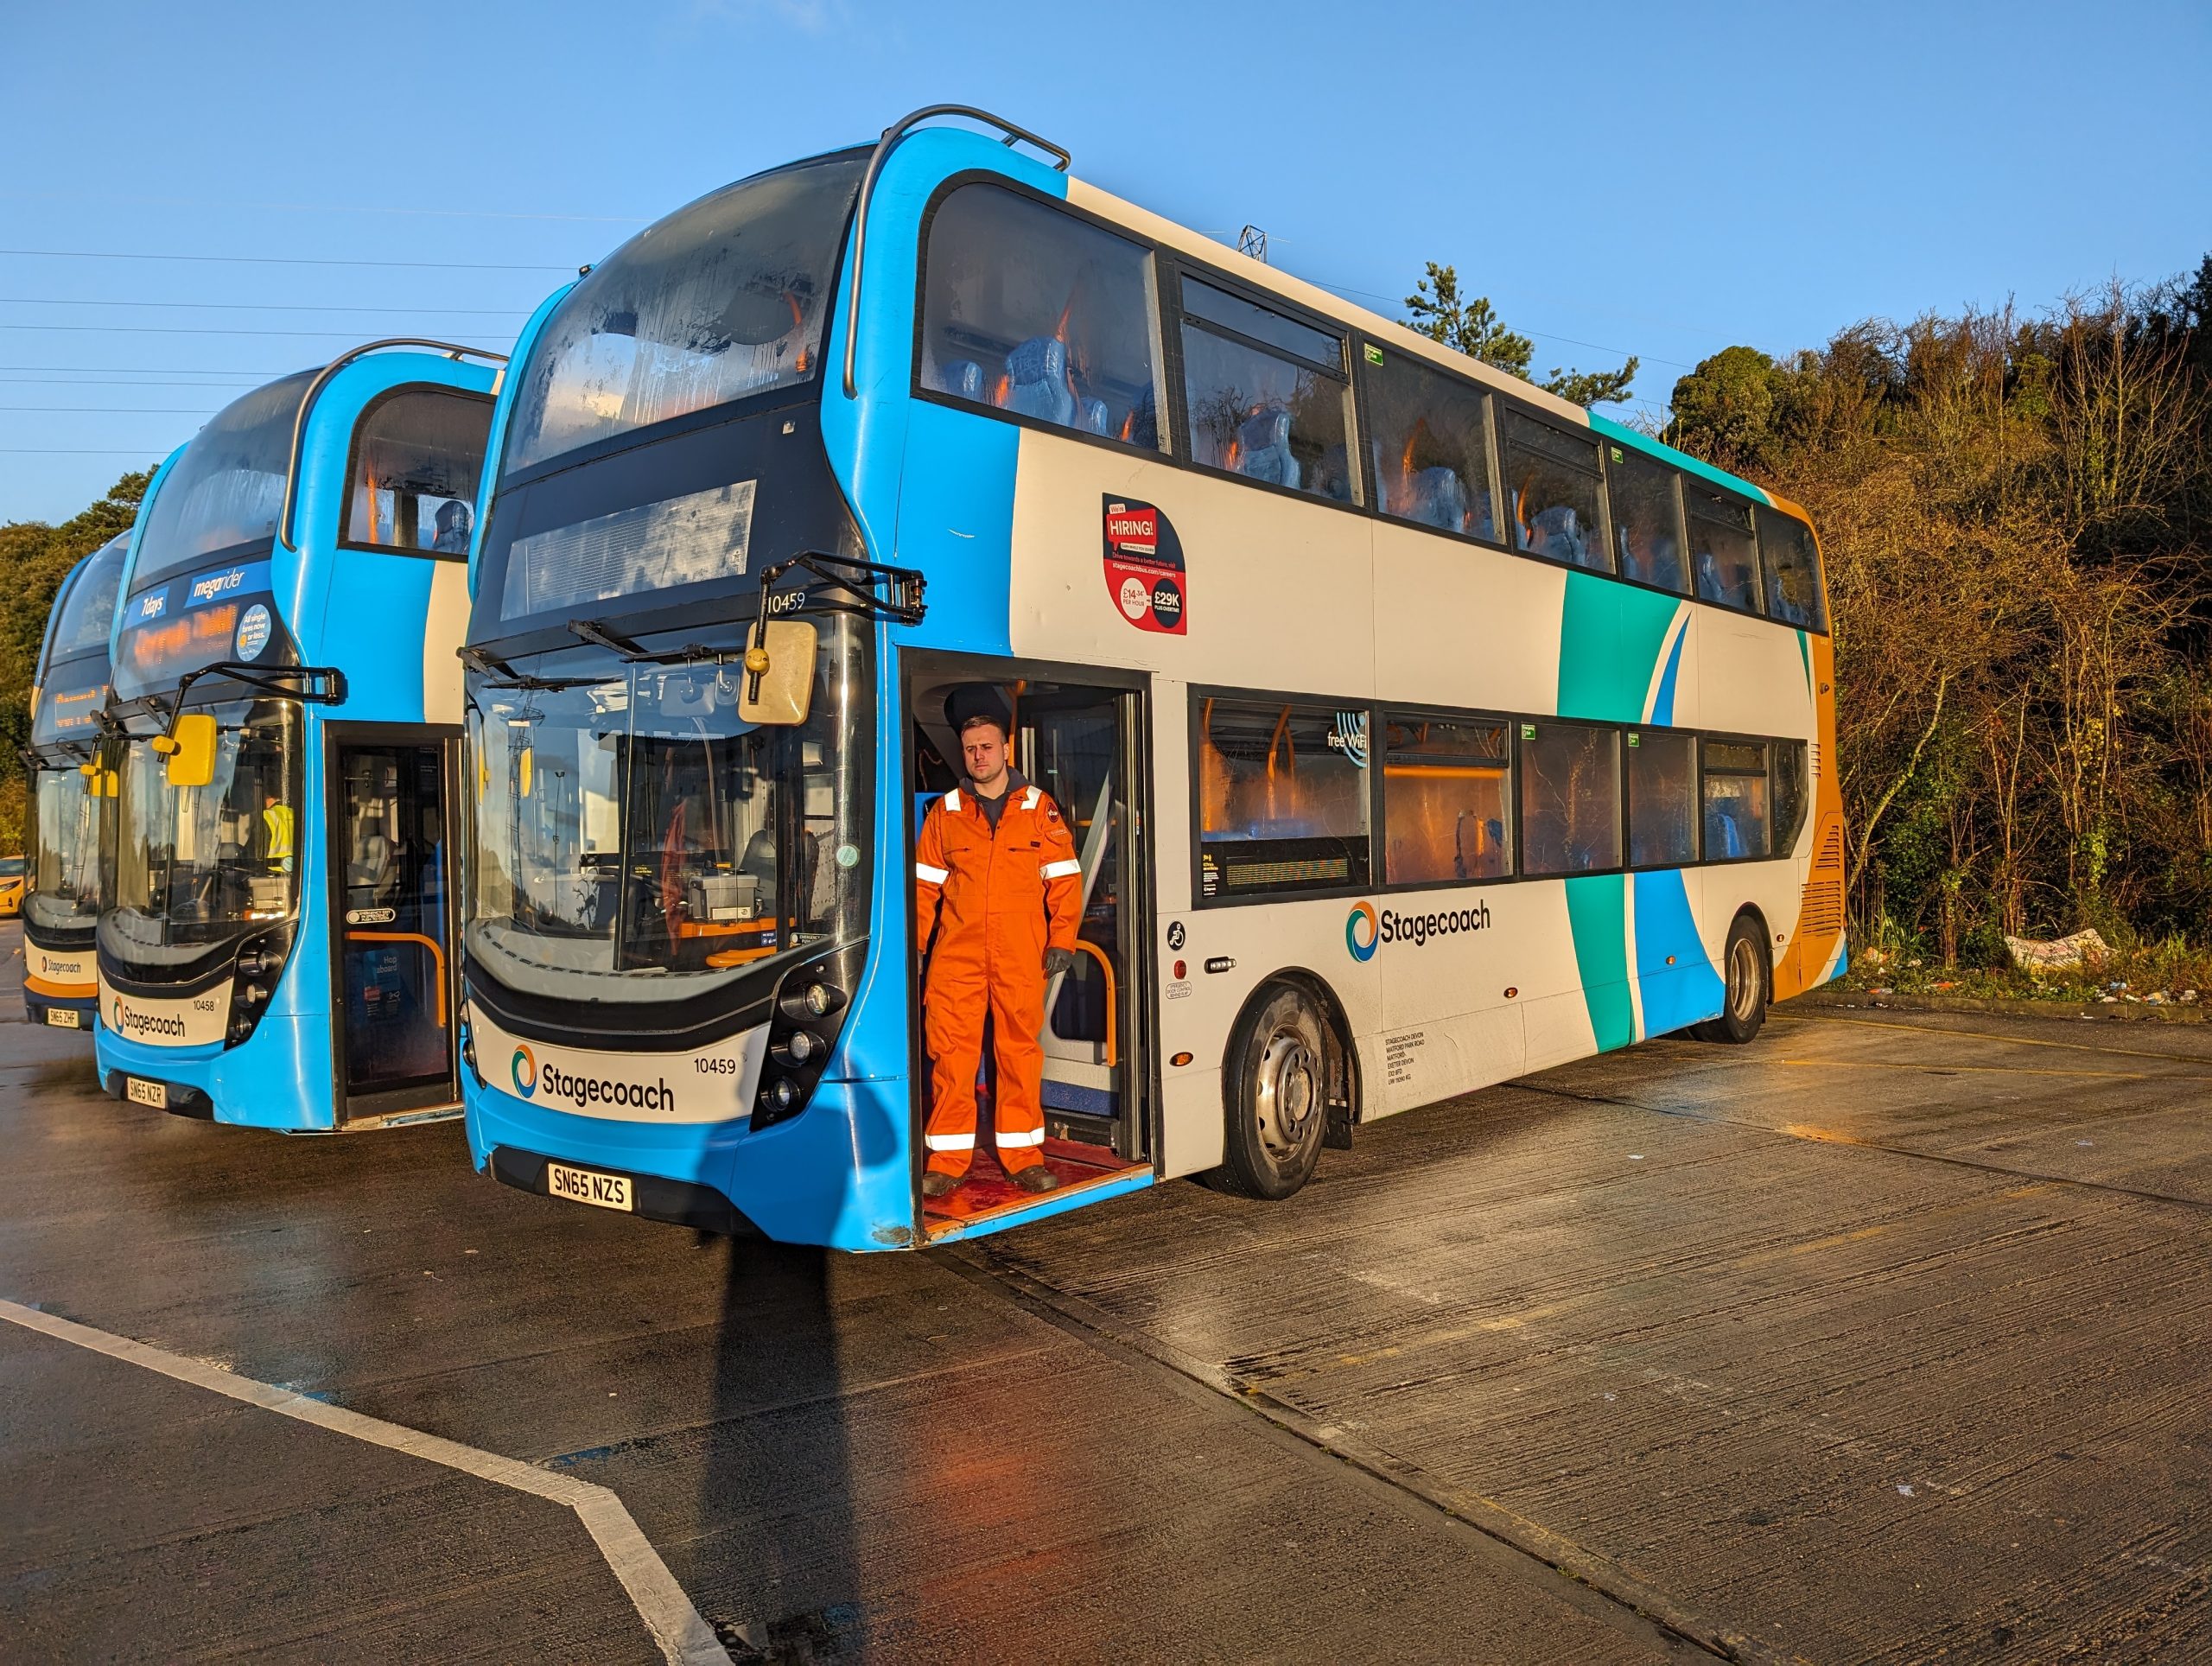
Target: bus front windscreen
[[198, 864], [227, 490], [632, 829], [725, 298], [65, 854]]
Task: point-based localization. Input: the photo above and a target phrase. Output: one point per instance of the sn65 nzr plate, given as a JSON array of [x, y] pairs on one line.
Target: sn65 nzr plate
[[588, 1186], [65, 1018], [140, 1091]]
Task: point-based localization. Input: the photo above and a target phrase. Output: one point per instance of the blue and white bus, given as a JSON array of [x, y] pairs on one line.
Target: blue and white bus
[[61, 858], [1417, 729], [275, 945]]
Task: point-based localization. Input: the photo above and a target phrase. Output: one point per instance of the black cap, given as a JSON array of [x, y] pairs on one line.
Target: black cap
[[977, 702]]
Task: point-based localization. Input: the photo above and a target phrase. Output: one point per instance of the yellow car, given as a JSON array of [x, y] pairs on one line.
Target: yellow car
[[11, 887]]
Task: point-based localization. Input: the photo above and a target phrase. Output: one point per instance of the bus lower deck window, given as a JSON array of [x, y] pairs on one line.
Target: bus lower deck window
[[1662, 799], [1570, 798], [1282, 797], [1446, 800], [1736, 824]]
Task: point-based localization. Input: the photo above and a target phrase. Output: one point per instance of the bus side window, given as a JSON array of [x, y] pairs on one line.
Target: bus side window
[[1446, 799], [1736, 822], [1790, 797], [1268, 396], [1570, 798], [1721, 553], [1429, 446], [1282, 798], [418, 458], [1662, 799], [1551, 493], [1647, 522], [1027, 309], [1793, 571]]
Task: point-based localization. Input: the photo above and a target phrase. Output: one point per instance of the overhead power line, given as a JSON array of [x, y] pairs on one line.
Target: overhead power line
[[265, 306], [203, 329], [321, 207], [118, 411], [286, 260]]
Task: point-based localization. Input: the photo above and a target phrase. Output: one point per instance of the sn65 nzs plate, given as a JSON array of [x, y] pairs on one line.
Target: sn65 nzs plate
[[65, 1018], [142, 1092], [588, 1186]]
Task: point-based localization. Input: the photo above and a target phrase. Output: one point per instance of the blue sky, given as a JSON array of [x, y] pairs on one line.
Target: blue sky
[[1662, 181]]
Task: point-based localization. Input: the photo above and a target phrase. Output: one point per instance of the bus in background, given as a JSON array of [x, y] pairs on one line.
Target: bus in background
[[1417, 729], [68, 794], [275, 941]]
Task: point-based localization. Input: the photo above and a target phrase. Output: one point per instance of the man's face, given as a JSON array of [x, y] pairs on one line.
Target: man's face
[[983, 745]]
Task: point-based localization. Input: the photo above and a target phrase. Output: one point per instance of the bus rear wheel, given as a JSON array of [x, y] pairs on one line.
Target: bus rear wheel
[[1275, 1096], [1744, 975]]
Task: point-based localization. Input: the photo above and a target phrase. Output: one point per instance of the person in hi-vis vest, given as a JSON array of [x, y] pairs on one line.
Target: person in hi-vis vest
[[997, 883]]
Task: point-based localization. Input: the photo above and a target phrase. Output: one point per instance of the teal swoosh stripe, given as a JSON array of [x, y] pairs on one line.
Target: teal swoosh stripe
[[1609, 641], [1597, 912]]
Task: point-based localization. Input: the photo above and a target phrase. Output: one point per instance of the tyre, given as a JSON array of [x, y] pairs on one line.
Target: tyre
[[1746, 976], [1275, 1095]]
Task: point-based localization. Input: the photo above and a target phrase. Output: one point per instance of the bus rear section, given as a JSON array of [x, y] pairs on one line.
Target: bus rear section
[[69, 793], [276, 948]]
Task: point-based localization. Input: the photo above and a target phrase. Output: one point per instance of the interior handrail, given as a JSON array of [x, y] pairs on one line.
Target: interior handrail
[[437, 956], [892, 135], [452, 350]]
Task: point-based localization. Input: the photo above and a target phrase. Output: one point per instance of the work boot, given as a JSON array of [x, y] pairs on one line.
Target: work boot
[[936, 1183], [1035, 1178]]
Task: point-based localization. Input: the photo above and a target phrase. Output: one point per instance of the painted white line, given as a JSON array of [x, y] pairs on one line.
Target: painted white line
[[684, 1638]]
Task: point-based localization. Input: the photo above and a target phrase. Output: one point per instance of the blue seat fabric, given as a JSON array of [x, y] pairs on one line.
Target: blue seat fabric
[[1038, 385], [1263, 447], [963, 377], [1436, 498]]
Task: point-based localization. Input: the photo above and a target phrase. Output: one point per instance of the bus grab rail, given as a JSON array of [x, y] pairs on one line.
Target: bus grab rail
[[437, 956], [452, 350], [892, 135]]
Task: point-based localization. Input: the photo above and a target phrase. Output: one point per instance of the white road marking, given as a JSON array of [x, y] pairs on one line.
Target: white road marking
[[684, 1638]]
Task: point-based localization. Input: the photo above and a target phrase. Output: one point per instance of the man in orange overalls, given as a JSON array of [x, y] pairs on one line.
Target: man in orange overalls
[[996, 875]]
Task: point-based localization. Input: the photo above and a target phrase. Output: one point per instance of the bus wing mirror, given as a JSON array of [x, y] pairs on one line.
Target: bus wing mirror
[[778, 686], [190, 750]]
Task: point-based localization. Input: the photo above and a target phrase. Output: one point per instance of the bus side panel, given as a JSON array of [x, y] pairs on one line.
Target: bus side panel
[[1449, 1026], [1190, 1019]]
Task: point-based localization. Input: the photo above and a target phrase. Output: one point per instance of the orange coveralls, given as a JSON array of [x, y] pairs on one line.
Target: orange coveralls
[[989, 898]]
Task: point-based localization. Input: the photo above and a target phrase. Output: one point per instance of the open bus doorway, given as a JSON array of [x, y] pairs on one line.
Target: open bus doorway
[[391, 879], [1081, 743]]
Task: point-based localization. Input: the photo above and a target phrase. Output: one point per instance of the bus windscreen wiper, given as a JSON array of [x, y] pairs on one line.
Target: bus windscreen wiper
[[500, 675], [631, 652]]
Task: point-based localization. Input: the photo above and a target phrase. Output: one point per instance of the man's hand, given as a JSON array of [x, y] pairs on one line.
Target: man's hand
[[1057, 960]]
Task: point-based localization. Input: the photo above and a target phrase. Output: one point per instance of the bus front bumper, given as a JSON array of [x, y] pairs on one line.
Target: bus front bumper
[[279, 1078]]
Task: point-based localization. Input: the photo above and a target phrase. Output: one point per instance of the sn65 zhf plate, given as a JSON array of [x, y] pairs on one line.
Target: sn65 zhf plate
[[65, 1018], [588, 1186], [140, 1091]]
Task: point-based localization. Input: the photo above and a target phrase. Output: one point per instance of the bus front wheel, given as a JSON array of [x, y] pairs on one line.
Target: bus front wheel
[[1275, 1096], [1745, 976]]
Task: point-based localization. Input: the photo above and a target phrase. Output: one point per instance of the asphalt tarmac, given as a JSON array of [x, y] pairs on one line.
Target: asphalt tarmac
[[1884, 1339]]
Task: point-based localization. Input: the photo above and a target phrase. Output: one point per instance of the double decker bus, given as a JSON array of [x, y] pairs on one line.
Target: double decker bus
[[61, 859], [1417, 729], [275, 941]]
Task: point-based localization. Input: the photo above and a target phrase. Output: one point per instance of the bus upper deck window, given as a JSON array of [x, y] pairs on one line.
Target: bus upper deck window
[[1429, 446], [1722, 556], [1647, 522], [1028, 309], [418, 459], [1793, 571], [1551, 493], [1268, 396]]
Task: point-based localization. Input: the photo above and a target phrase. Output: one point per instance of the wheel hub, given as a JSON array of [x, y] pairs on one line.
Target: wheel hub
[[1289, 1093]]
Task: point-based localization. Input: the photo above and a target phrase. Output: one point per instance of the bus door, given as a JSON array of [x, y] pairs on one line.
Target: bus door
[[392, 873], [1082, 743], [1080, 746]]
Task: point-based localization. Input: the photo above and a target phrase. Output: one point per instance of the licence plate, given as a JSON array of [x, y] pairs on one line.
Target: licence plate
[[65, 1018], [588, 1186], [155, 1094]]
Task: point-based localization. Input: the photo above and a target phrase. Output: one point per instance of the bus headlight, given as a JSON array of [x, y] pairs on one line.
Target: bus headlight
[[254, 976], [808, 1017]]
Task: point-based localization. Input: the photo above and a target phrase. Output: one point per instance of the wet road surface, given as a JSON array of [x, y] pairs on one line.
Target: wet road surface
[[1883, 1339]]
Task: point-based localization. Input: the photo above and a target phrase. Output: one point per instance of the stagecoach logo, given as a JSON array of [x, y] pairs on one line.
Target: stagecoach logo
[[1365, 931], [1363, 913], [1144, 566], [584, 1091], [126, 1023]]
